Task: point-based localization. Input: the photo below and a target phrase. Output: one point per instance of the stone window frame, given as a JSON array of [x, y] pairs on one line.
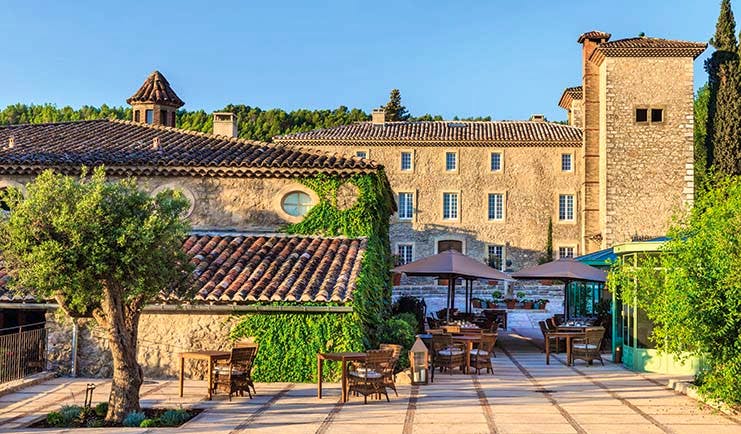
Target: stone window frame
[[561, 169], [458, 206], [366, 150], [283, 192], [174, 185], [413, 192], [457, 161], [503, 193], [573, 246], [503, 257], [648, 109], [575, 207], [450, 237], [413, 155], [501, 160], [411, 244]]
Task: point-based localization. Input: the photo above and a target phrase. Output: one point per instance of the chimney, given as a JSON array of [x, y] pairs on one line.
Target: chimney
[[156, 143], [537, 118], [11, 141], [225, 124], [379, 116]]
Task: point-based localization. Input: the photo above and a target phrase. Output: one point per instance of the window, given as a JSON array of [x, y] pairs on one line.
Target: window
[[405, 253], [406, 206], [173, 119], [566, 207], [149, 116], [296, 203], [450, 206], [163, 117], [566, 163], [137, 117], [496, 257], [657, 115], [361, 154], [565, 252], [496, 206], [451, 161], [445, 245], [641, 115], [496, 161], [406, 161]]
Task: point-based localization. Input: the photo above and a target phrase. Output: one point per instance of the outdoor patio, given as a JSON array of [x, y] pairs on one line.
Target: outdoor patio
[[524, 395]]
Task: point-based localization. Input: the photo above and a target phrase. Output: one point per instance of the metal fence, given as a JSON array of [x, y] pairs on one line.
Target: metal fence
[[22, 353]]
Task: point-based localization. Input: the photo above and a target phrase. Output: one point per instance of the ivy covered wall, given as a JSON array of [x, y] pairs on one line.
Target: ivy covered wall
[[359, 206]]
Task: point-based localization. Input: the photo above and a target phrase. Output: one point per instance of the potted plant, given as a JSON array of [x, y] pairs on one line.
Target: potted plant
[[521, 296], [527, 304], [497, 296], [541, 303]]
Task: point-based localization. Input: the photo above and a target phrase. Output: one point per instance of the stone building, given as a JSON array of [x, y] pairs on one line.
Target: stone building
[[620, 168], [244, 196]]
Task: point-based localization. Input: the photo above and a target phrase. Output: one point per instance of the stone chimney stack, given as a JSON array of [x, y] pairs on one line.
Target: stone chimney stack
[[537, 118], [225, 124], [379, 116]]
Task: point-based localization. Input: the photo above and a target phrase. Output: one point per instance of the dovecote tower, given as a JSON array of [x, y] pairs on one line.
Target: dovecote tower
[[155, 102]]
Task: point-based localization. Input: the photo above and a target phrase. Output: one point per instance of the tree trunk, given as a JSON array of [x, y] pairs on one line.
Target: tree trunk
[[122, 324]]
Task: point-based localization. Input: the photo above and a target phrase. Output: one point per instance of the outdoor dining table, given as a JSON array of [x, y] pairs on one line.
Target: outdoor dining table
[[207, 355], [336, 357], [468, 340], [562, 334]]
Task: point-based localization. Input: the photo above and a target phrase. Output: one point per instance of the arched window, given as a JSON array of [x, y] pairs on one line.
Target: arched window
[[296, 203]]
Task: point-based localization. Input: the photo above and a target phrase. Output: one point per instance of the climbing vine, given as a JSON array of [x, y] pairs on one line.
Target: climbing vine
[[289, 342]]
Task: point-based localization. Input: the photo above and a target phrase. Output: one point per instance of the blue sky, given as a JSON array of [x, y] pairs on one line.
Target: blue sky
[[505, 59]]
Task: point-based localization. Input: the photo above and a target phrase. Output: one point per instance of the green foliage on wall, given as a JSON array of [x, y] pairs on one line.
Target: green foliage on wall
[[289, 342]]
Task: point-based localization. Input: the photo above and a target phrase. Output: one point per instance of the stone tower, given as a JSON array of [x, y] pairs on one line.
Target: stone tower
[[155, 102], [637, 97]]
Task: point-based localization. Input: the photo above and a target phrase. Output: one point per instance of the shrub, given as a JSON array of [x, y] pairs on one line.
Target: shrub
[[174, 417], [397, 330], [94, 422], [408, 318], [134, 419], [101, 409], [70, 414], [412, 305], [55, 419], [148, 423]]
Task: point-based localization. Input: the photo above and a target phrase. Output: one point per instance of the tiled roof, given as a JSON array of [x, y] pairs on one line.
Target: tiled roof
[[156, 90], [594, 34], [570, 94], [252, 268], [129, 148], [644, 46], [522, 133]]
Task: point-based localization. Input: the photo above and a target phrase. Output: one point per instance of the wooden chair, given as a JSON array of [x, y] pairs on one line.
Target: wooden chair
[[481, 356], [234, 376], [390, 372], [547, 336], [588, 348], [447, 355], [368, 377]]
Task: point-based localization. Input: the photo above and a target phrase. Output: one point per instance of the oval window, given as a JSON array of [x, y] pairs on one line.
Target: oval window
[[296, 204]]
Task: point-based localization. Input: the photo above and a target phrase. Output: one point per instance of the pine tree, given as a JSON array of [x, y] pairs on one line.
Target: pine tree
[[394, 110], [724, 119], [548, 255]]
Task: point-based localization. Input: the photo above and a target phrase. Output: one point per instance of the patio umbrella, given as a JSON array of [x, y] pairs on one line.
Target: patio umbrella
[[452, 265], [567, 270]]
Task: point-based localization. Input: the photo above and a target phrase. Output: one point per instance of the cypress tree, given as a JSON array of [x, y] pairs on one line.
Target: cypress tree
[[394, 110], [724, 119]]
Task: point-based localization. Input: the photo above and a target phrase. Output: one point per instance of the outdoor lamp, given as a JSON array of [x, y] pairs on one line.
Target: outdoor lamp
[[418, 361]]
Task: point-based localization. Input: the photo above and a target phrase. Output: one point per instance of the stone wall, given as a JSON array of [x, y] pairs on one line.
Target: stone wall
[[649, 172], [161, 337]]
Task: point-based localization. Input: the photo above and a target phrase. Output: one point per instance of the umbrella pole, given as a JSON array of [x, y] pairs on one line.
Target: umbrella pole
[[566, 300], [451, 297]]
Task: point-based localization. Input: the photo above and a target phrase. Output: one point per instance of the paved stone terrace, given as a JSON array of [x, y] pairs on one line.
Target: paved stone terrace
[[523, 396]]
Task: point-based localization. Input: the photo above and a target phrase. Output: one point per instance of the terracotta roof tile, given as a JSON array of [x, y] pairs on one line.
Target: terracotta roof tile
[[594, 34], [156, 90], [251, 268], [644, 46], [517, 133], [570, 94], [127, 148]]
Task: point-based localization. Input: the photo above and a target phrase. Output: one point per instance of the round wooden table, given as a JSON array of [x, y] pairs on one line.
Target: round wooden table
[[468, 340]]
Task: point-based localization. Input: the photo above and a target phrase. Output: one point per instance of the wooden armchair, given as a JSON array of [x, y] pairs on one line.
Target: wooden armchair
[[588, 349], [481, 356], [234, 376], [447, 355], [547, 327], [368, 377], [390, 371]]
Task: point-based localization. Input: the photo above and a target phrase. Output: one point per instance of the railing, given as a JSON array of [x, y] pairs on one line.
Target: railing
[[22, 353]]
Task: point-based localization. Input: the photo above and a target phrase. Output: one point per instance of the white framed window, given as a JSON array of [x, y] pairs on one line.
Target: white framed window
[[566, 207], [495, 206], [567, 163], [405, 252], [361, 154], [406, 205], [450, 206], [406, 161], [565, 252], [451, 161], [296, 203], [495, 161], [495, 257]]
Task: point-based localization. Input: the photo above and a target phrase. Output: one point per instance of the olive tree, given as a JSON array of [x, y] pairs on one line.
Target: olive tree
[[100, 248]]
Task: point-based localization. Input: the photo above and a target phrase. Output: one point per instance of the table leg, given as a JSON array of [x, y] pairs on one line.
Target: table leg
[[469, 348], [548, 350], [210, 376], [319, 377], [568, 350], [182, 371], [344, 381]]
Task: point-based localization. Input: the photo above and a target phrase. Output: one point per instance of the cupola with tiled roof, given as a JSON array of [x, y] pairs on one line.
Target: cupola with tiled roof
[[155, 102]]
